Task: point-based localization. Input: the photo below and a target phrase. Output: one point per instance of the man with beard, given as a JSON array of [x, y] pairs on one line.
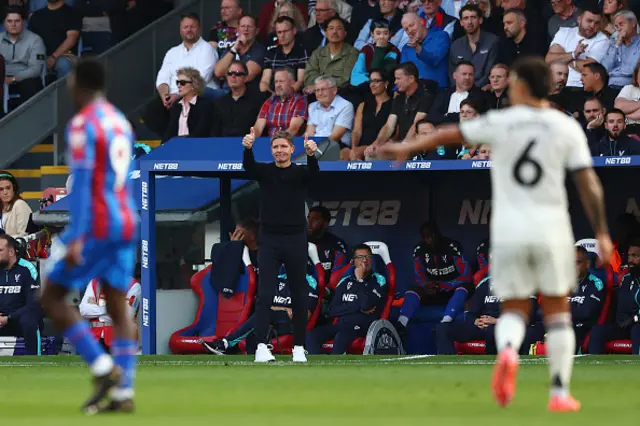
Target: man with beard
[[615, 143], [519, 41], [442, 277], [627, 321], [593, 125], [332, 250], [560, 96]]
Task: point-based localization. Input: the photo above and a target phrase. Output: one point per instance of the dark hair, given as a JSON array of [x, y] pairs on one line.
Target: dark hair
[[345, 24], [593, 98], [634, 243], [583, 251], [535, 73], [410, 69], [379, 23], [598, 68], [11, 242], [282, 135], [614, 111], [90, 75], [14, 9], [464, 62], [383, 73], [429, 225], [594, 10], [423, 121], [361, 246], [250, 224], [247, 15], [190, 15], [283, 19], [324, 212], [286, 69], [518, 12], [241, 63], [473, 103], [5, 175], [471, 8]]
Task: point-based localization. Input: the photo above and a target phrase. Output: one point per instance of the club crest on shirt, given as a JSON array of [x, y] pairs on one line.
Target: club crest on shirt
[[17, 278]]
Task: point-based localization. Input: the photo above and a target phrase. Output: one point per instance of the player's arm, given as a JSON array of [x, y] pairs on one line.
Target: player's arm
[[31, 288], [476, 304], [464, 273], [89, 307], [312, 294], [340, 258], [419, 273], [446, 135], [373, 294]]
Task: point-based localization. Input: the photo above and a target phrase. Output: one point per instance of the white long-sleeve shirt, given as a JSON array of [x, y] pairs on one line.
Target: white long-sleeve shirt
[[92, 307], [201, 56]]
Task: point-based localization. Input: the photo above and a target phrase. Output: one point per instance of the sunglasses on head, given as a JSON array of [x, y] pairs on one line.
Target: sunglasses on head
[[183, 82], [236, 73]]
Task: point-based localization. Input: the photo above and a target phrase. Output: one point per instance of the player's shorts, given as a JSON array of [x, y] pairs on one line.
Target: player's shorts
[[518, 272], [111, 262]]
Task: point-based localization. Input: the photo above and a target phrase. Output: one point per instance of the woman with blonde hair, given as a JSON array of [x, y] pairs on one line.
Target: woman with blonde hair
[[14, 211], [192, 115]]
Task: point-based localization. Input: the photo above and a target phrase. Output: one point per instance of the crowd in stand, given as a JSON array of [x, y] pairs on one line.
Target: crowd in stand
[[364, 73]]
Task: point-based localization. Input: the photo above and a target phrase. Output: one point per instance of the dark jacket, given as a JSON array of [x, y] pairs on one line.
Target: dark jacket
[[438, 112], [622, 146], [353, 296], [628, 306], [19, 287], [199, 120], [586, 301]]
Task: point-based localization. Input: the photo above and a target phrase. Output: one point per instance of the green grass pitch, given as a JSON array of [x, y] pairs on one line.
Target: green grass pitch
[[348, 390]]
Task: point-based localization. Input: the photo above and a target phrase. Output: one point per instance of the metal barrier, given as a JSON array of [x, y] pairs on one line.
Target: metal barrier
[[131, 66]]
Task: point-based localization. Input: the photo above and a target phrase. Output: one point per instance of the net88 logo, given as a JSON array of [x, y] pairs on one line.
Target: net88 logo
[[363, 213]]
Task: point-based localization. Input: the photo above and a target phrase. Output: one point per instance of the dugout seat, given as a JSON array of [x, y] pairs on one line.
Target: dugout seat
[[474, 347], [284, 344], [216, 315], [384, 266]]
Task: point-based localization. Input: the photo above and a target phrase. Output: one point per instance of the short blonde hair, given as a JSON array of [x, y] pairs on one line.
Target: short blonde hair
[[197, 81]]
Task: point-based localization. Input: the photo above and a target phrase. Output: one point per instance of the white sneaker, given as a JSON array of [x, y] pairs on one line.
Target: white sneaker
[[263, 354], [299, 354]]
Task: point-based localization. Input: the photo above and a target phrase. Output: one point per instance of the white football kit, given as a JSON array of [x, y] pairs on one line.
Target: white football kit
[[532, 244]]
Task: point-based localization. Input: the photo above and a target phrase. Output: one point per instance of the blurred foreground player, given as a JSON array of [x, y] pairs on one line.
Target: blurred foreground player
[[100, 241], [531, 234]]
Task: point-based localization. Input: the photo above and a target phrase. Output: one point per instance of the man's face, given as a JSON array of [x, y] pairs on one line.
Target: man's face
[[6, 255], [286, 33], [615, 125], [247, 28], [624, 26], [430, 238], [560, 74], [413, 27], [335, 32], [589, 79], [324, 11], [402, 81], [283, 84], [633, 256], [281, 150], [426, 129], [229, 10], [464, 78], [499, 79], [467, 113], [236, 77], [316, 223], [431, 6], [363, 258], [6, 191], [387, 7], [592, 109], [484, 152], [470, 21], [560, 6], [14, 24], [513, 25], [582, 264], [588, 24], [189, 30], [325, 93]]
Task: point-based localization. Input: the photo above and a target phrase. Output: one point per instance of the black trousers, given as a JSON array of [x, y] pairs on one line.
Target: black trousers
[[27, 327], [275, 250]]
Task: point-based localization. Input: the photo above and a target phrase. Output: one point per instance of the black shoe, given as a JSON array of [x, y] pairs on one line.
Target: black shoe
[[125, 406], [102, 386], [216, 347]]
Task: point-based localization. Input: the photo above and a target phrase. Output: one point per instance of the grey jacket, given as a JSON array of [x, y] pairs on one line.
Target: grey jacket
[[26, 57]]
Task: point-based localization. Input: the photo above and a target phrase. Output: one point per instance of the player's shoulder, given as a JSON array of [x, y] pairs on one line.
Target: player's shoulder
[[453, 246], [29, 267], [418, 249], [597, 282]]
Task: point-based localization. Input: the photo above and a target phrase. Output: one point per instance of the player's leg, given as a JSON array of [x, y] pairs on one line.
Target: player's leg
[[28, 325], [347, 333], [318, 336], [220, 346], [295, 264], [413, 298], [270, 261], [455, 305], [601, 334], [458, 331]]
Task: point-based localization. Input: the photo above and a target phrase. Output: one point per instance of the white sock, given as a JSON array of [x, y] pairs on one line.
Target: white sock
[[102, 365], [510, 331], [121, 394], [561, 346]]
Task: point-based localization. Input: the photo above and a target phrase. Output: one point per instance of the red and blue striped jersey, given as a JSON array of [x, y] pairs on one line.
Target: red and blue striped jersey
[[100, 145]]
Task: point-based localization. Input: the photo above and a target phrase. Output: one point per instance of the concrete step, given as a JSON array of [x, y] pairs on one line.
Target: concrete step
[[39, 155], [28, 179], [53, 176]]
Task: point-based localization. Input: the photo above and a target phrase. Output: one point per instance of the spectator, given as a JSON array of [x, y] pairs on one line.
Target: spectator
[[358, 301], [627, 322], [286, 8], [331, 116], [410, 105], [469, 109], [615, 143], [24, 55], [342, 8], [595, 81], [193, 52], [441, 276], [499, 81], [594, 112], [223, 34], [586, 300], [235, 112], [246, 49], [560, 95], [489, 23], [289, 53], [362, 12], [392, 16], [286, 110], [478, 47], [623, 51], [59, 26], [628, 101], [609, 10], [15, 212], [336, 59], [379, 54], [247, 231], [266, 15], [435, 18], [446, 106], [427, 49], [191, 115], [423, 128], [20, 314], [565, 16], [536, 24], [315, 36], [579, 46], [519, 41], [626, 230], [371, 115], [332, 250]]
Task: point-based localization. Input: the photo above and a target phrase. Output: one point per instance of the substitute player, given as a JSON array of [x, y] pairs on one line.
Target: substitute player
[[531, 234], [100, 241]]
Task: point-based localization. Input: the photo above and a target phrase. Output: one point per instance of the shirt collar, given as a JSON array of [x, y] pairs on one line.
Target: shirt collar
[[192, 101]]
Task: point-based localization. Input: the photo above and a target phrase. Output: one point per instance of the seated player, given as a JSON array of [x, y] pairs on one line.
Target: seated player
[[332, 250], [93, 308], [281, 315], [627, 321], [586, 300], [358, 301], [442, 277]]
